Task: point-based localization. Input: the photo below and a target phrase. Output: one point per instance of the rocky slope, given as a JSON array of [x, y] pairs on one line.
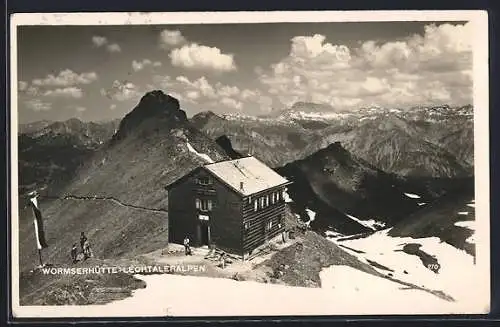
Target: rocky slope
[[272, 141], [341, 188], [398, 146]]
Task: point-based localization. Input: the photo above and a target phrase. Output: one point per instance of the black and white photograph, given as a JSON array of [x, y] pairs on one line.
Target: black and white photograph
[[249, 164]]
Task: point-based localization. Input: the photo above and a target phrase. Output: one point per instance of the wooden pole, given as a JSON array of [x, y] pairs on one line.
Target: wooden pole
[[40, 257]]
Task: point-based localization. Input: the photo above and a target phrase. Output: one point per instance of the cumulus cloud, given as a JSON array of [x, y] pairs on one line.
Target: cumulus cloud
[[171, 38], [101, 41], [67, 92], [112, 106], [80, 109], [25, 88], [218, 96], [227, 91], [232, 103], [22, 86], [38, 105], [115, 47], [432, 68], [121, 91], [66, 77], [201, 85], [195, 56], [139, 65]]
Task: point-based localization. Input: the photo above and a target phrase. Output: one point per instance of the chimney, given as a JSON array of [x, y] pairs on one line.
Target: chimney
[[241, 186]]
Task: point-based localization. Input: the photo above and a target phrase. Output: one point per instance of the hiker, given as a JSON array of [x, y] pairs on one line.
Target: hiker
[[223, 259], [187, 247], [74, 253], [87, 252], [83, 239]]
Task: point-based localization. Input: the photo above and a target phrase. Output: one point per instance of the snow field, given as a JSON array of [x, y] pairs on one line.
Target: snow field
[[201, 155]]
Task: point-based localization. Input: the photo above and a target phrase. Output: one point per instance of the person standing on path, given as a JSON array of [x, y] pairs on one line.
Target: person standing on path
[[74, 253], [83, 239], [187, 247]]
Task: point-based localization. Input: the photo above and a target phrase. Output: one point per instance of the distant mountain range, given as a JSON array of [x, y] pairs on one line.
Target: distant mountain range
[[429, 142], [51, 152]]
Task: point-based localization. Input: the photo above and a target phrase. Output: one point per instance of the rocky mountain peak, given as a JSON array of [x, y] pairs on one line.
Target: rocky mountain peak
[[155, 108]]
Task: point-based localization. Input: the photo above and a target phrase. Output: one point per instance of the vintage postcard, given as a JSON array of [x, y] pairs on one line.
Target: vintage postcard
[[249, 164]]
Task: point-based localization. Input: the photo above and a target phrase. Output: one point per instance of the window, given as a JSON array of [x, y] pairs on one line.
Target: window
[[273, 198], [247, 225], [249, 200], [204, 180], [204, 204], [255, 205], [261, 199], [269, 225], [266, 200]]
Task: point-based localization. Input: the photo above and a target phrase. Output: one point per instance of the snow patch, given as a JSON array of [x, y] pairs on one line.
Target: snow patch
[[387, 251], [412, 196], [287, 197], [469, 224], [472, 205], [463, 213], [422, 203], [345, 291], [311, 214], [333, 234], [371, 223], [201, 155]]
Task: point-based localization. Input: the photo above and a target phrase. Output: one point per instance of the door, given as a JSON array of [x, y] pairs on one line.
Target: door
[[203, 233]]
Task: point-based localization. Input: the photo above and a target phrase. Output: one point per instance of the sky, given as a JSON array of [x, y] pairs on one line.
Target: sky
[[98, 73]]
